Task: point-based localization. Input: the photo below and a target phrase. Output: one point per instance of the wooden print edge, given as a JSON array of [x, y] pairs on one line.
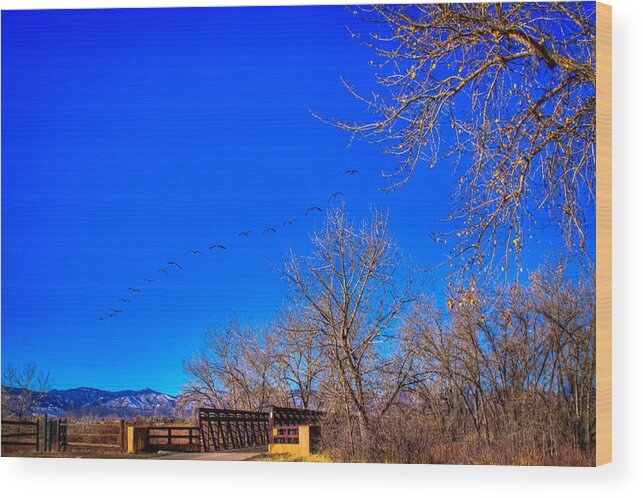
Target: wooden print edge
[[603, 234]]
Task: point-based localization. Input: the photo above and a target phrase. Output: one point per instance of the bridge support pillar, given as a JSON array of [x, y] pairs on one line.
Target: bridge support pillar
[[137, 439]]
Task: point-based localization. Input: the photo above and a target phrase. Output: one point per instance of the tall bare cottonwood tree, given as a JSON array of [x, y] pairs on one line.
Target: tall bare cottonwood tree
[[503, 91], [350, 295]]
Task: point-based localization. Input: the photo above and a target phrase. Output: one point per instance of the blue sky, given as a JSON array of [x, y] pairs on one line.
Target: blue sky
[[132, 136]]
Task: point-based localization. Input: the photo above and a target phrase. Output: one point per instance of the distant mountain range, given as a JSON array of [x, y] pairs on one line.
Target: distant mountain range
[[88, 401], [92, 402]]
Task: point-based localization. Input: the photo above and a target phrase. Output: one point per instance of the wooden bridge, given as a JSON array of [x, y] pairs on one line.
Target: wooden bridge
[[223, 429], [217, 430]]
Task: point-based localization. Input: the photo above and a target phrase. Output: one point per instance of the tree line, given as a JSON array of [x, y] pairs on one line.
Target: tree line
[[403, 374]]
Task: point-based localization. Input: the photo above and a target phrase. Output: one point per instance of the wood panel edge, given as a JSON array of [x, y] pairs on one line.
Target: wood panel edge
[[603, 233]]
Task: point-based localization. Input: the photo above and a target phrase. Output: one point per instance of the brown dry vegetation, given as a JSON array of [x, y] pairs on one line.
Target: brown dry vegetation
[[286, 457], [496, 375], [74, 453]]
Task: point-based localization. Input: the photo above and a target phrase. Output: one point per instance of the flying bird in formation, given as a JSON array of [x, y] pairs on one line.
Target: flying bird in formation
[[114, 312]]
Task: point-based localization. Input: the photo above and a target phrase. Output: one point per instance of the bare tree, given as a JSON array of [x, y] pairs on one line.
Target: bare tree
[[516, 366], [299, 356], [506, 93], [234, 369], [351, 297], [569, 312], [22, 390]]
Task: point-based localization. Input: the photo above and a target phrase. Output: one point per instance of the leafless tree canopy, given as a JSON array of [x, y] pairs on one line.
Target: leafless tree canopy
[[299, 356], [519, 364], [494, 375], [503, 91], [22, 389], [351, 297], [235, 369]]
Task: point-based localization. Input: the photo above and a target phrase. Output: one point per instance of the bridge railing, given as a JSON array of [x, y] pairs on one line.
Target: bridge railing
[[223, 429]]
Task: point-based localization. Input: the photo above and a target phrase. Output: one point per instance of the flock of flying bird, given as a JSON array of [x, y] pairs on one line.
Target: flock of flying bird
[[112, 312]]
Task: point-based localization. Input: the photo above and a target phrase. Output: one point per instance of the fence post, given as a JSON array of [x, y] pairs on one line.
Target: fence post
[[63, 438], [51, 434], [122, 435], [44, 434], [202, 441], [37, 434]]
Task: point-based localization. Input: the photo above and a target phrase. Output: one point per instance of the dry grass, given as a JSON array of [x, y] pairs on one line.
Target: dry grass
[[79, 454], [440, 454], [75, 453], [287, 457], [480, 454], [498, 454]]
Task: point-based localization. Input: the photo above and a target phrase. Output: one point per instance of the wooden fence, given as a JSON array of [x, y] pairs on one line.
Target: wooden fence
[[173, 438], [108, 435], [44, 434], [22, 433]]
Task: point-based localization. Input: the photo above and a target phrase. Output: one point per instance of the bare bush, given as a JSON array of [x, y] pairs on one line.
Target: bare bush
[[517, 364], [22, 389]]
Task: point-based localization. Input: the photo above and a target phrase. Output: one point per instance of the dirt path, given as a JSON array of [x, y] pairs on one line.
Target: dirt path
[[230, 455]]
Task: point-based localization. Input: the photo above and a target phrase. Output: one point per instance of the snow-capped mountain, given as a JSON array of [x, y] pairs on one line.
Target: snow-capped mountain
[[88, 401]]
